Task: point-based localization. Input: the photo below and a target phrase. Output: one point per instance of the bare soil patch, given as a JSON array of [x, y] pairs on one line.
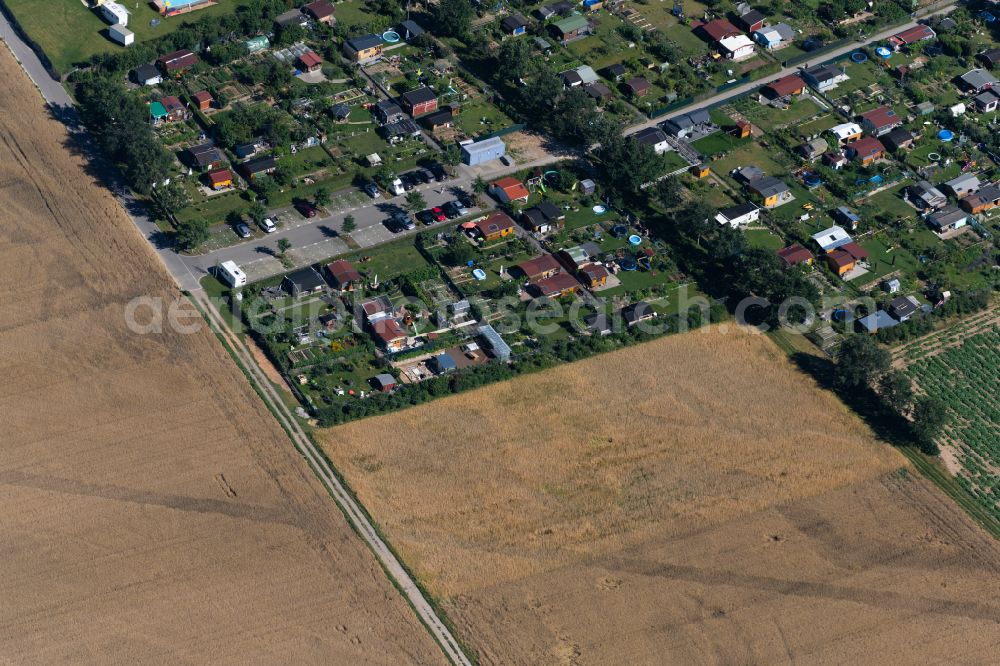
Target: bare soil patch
[[152, 511], [692, 500]]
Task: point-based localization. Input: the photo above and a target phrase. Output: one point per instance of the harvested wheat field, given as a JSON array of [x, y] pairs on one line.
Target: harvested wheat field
[[151, 510], [691, 500]]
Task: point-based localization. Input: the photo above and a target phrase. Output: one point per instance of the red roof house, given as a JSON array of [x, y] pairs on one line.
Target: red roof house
[[178, 62], [880, 120], [202, 100], [718, 29], [310, 62], [509, 189], [220, 178], [785, 86], [494, 226], [389, 334], [539, 267], [343, 274], [912, 36], [794, 255], [866, 150], [560, 284], [320, 10]]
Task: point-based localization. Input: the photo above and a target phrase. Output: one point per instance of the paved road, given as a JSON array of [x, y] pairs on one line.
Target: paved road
[[351, 508], [753, 85], [62, 104]]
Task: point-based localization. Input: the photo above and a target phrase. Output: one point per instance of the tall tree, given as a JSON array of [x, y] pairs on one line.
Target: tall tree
[[897, 390], [860, 360], [930, 416], [453, 18], [415, 201]]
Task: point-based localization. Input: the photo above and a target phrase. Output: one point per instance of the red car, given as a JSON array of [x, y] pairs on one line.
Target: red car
[[306, 209], [438, 214]]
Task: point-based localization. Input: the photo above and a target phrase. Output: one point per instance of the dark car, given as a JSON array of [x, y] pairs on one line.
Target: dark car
[[425, 216], [455, 209], [400, 222], [438, 172], [306, 209]]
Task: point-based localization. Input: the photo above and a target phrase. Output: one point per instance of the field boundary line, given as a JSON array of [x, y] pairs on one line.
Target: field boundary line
[[352, 509]]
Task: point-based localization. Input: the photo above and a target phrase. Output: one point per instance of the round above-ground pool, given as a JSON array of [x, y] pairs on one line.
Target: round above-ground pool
[[946, 135], [859, 56], [883, 52], [599, 209], [390, 36], [628, 264], [635, 239]]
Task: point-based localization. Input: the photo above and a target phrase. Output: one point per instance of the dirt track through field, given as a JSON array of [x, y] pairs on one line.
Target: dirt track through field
[[152, 510], [692, 500]]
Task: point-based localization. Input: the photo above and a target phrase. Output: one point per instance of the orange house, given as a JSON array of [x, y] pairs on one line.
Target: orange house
[[594, 275], [494, 226], [843, 259], [220, 178], [202, 100]]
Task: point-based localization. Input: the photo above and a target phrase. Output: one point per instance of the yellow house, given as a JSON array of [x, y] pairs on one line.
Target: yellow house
[[364, 48], [699, 171]]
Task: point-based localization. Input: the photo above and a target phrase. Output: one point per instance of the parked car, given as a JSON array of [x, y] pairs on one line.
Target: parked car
[[306, 209], [455, 208], [425, 216], [438, 214], [439, 172], [397, 187], [242, 230], [268, 225], [400, 222], [371, 189]]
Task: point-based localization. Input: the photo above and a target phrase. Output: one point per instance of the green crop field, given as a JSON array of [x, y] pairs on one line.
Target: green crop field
[[69, 33], [960, 369]]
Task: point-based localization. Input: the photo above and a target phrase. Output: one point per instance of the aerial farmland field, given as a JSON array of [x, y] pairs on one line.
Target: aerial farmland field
[[153, 511], [959, 366], [692, 496]]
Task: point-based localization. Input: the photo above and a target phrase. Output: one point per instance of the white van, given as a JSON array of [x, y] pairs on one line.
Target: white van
[[397, 187]]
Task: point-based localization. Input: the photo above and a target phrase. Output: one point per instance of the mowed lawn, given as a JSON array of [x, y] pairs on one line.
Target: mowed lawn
[[69, 33]]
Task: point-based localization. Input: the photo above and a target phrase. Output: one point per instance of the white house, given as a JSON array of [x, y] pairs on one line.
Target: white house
[[737, 47], [736, 216], [832, 238], [113, 13], [846, 132], [653, 137]]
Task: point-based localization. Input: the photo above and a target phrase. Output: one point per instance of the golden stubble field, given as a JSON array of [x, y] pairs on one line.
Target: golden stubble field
[[151, 511], [692, 500]]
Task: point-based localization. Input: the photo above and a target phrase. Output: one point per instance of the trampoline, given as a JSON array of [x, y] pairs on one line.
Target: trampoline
[[946, 135], [390, 36], [933, 157], [859, 57], [812, 180], [627, 264], [619, 231]]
